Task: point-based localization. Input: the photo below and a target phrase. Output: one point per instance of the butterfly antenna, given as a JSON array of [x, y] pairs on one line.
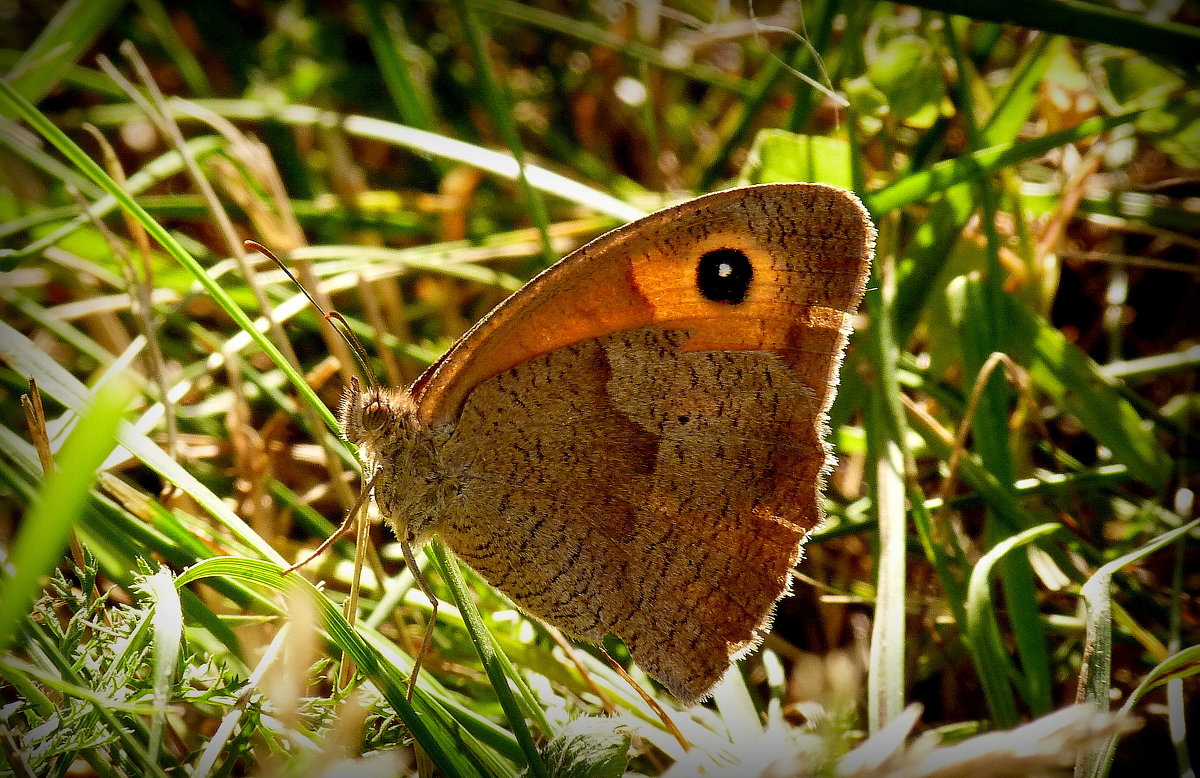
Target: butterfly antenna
[[333, 317]]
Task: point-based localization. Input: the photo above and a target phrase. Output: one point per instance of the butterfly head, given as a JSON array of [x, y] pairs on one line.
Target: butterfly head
[[414, 487], [374, 415]]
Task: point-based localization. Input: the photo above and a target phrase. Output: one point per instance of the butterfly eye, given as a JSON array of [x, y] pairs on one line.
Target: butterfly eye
[[374, 415]]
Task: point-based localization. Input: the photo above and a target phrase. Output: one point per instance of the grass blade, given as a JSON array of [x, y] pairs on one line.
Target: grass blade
[[1090, 21], [917, 187], [27, 359], [1095, 678], [983, 631], [496, 162], [70, 33], [441, 744], [498, 106], [167, 626], [981, 334], [40, 542], [389, 42], [1078, 385], [489, 655]]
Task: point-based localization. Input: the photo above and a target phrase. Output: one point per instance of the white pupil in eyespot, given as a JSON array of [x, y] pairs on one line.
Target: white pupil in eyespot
[[725, 270]]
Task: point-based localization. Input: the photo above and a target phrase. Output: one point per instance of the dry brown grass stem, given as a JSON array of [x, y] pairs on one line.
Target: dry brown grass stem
[[141, 290], [35, 418], [569, 651], [650, 701], [374, 314]]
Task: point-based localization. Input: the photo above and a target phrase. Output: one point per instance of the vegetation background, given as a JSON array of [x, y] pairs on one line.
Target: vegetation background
[[1006, 536]]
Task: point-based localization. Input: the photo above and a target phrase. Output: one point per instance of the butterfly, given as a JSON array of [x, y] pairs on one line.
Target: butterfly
[[634, 442]]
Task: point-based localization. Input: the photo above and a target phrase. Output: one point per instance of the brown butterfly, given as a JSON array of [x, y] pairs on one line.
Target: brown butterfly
[[634, 443]]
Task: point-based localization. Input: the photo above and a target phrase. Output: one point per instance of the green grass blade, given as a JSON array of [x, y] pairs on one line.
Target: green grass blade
[[63, 330], [925, 255], [22, 148], [70, 33], [1097, 762], [886, 665], [1079, 386], [590, 33], [980, 327], [496, 162], [886, 433], [386, 34], [42, 537], [495, 668], [1018, 102], [998, 496], [110, 533], [497, 103], [1090, 21], [1095, 680], [74, 76], [166, 36], [920, 186], [934, 239], [983, 630], [935, 545], [438, 742], [155, 172], [761, 89], [884, 427]]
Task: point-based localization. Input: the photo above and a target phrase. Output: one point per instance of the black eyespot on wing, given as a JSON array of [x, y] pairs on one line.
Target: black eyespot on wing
[[724, 276]]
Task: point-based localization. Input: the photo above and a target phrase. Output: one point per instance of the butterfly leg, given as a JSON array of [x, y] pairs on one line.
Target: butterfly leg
[[347, 523], [406, 547]]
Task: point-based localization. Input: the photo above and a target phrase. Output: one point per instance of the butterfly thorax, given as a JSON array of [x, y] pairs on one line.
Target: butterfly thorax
[[415, 486]]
